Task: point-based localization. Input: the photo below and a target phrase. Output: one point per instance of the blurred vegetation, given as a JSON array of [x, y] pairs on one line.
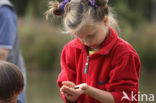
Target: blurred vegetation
[[42, 43]]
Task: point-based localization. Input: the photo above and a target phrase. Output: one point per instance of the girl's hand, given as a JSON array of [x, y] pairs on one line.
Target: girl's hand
[[70, 93]]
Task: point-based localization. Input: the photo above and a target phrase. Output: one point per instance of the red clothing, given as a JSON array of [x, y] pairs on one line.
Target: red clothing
[[115, 68]]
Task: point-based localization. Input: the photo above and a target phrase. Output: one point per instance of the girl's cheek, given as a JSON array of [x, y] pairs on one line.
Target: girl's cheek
[[85, 42], [89, 42]]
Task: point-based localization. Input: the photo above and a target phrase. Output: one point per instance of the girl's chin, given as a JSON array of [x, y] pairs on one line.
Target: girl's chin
[[93, 46]]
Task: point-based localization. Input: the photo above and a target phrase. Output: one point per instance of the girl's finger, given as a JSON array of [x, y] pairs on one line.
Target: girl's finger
[[73, 91], [68, 90], [61, 89], [83, 86], [69, 97], [68, 83], [66, 94]]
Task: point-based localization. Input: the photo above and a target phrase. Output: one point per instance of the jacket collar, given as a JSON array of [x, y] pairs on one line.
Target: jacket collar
[[105, 47]]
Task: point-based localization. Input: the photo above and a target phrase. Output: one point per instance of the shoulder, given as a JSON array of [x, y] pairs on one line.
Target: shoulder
[[6, 12], [71, 44], [124, 51], [123, 47], [72, 49], [67, 49]]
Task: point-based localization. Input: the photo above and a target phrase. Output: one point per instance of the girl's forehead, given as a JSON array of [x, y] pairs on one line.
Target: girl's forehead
[[86, 29], [86, 26]]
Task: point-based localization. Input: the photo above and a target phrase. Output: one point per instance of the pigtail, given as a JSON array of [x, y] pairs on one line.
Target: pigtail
[[76, 12], [103, 8], [54, 9], [101, 3]]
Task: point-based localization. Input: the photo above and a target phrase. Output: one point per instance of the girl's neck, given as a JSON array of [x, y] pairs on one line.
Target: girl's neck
[[93, 49]]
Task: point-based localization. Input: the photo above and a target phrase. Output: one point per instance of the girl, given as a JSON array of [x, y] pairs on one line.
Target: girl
[[11, 82], [97, 66]]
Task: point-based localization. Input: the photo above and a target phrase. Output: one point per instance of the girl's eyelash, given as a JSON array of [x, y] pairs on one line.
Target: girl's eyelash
[[91, 35]]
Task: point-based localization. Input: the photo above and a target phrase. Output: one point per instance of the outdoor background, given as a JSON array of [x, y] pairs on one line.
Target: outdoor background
[[42, 43]]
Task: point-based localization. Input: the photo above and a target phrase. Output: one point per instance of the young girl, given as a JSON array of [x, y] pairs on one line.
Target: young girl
[[97, 66], [11, 82]]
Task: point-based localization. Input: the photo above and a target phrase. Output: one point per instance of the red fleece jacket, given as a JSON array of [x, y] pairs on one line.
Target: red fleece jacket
[[115, 68]]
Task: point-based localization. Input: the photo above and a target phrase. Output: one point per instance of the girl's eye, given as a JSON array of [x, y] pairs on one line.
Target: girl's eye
[[91, 35]]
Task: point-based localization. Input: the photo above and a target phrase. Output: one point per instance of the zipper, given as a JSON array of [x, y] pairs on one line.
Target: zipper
[[86, 65]]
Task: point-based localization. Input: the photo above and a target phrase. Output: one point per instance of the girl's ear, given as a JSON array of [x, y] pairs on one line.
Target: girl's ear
[[106, 20]]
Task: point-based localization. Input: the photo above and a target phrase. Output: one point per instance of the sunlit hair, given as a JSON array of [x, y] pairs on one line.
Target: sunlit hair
[[77, 13]]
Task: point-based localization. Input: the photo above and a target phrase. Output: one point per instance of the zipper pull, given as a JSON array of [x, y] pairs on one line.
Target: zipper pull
[[86, 65]]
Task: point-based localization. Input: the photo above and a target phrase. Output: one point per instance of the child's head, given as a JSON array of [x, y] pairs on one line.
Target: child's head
[[11, 82], [87, 19]]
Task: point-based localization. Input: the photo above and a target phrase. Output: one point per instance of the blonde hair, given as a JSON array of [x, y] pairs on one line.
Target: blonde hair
[[77, 13]]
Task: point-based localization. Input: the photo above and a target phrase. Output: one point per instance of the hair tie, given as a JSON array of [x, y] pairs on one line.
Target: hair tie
[[93, 3], [63, 4]]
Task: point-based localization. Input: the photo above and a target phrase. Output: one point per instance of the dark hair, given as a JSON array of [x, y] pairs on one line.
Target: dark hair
[[78, 12], [11, 80]]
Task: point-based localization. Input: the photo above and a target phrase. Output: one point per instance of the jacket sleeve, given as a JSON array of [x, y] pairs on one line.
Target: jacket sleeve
[[68, 72], [124, 78]]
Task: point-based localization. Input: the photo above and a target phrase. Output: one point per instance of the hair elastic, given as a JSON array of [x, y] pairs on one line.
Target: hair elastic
[[63, 4], [93, 3]]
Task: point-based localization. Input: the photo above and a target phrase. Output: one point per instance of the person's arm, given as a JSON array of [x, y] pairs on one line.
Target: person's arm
[[124, 77], [68, 72], [7, 31], [100, 95], [3, 54]]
